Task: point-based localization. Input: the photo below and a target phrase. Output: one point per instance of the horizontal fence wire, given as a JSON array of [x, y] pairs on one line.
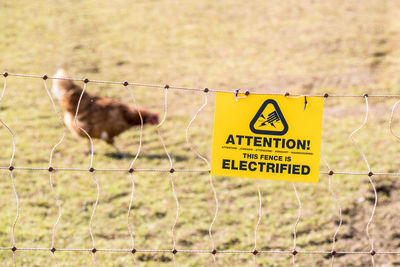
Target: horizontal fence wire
[[194, 251], [131, 170], [180, 170], [205, 89]]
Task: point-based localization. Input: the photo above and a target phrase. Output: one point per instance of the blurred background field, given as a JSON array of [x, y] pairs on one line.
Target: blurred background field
[[307, 47]]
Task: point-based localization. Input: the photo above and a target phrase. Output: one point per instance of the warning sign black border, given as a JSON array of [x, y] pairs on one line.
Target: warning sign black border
[[278, 110]]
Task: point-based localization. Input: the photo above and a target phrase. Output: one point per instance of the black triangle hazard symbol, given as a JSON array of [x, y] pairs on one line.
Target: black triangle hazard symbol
[[269, 120]]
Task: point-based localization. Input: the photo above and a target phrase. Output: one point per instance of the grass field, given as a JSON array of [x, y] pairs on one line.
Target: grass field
[[308, 47]]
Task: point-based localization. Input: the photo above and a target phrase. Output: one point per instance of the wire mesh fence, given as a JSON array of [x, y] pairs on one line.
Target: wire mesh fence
[[131, 170]]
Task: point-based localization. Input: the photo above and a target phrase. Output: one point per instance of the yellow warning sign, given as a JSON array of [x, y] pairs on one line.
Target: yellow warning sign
[[267, 136]]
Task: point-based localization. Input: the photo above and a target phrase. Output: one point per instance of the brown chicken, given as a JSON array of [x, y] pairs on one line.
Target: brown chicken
[[100, 117]]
